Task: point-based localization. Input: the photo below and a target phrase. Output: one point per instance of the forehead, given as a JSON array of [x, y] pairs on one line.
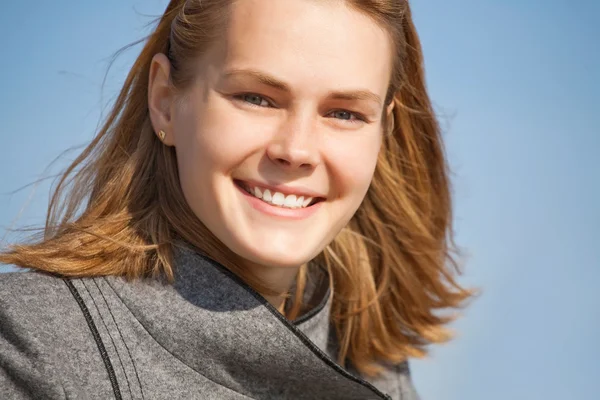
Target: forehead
[[308, 42]]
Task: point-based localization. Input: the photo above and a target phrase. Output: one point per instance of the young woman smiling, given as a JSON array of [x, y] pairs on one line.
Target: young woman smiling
[[264, 214]]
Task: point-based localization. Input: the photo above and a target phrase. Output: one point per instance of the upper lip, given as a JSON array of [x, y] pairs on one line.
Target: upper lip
[[284, 189]]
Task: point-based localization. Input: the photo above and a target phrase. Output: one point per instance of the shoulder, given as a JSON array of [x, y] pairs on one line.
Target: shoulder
[[39, 309], [35, 310], [35, 307], [13, 282], [27, 294], [396, 381], [405, 383]]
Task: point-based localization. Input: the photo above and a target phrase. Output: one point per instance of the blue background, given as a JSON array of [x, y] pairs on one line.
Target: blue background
[[516, 85]]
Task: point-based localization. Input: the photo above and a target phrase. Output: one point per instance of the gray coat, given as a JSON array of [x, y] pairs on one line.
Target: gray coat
[[207, 336]]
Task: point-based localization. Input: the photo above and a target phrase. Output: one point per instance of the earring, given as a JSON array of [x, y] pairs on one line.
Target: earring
[[162, 135]]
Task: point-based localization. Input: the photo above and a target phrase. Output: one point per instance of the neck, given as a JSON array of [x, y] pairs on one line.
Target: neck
[[277, 278]]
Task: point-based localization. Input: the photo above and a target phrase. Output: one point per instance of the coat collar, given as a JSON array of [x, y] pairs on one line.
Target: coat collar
[[219, 326]]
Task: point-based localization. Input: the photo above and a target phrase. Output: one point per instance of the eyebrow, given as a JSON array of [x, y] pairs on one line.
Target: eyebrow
[[356, 95], [273, 82], [259, 76]]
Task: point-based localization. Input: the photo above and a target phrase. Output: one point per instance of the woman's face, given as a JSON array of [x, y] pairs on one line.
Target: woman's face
[[278, 138]]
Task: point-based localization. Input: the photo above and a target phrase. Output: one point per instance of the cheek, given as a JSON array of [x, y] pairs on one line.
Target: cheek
[[211, 137], [353, 162]]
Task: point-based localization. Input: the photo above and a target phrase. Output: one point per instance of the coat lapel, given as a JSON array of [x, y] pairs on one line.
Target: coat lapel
[[220, 327]]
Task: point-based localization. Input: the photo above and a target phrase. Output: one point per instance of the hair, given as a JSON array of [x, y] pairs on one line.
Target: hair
[[118, 209]]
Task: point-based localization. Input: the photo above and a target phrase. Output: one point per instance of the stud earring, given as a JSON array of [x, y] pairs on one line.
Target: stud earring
[[162, 135]]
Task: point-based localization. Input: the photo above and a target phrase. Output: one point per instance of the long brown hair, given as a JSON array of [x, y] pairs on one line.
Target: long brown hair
[[118, 209]]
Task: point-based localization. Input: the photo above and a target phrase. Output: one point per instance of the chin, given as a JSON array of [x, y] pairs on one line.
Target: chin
[[280, 256]]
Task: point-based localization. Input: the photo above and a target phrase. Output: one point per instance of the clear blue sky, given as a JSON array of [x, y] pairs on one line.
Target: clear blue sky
[[517, 85]]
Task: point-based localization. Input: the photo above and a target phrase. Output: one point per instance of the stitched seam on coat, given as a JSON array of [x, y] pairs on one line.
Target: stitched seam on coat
[[169, 351], [122, 338], [110, 336], [96, 335]]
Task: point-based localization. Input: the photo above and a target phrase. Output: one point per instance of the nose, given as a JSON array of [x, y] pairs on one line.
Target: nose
[[295, 145]]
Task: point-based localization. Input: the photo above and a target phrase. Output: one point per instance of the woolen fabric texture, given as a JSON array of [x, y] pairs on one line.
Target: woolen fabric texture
[[206, 336]]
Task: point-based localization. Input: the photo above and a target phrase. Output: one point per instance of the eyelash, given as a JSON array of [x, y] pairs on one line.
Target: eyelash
[[358, 118]]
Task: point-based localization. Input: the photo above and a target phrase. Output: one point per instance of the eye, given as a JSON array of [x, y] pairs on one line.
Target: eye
[[342, 114], [253, 99], [345, 115]]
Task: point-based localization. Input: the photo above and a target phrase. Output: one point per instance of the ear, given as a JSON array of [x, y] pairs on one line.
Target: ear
[[161, 97]]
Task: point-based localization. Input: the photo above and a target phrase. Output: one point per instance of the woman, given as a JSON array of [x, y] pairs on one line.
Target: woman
[[265, 214]]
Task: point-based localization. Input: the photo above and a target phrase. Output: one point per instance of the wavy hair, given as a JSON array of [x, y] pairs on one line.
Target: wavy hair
[[118, 209]]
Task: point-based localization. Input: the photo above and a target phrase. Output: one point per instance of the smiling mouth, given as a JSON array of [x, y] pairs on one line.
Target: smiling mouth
[[278, 199]]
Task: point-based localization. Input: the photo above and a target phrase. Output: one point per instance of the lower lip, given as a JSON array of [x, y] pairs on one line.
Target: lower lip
[[274, 211]]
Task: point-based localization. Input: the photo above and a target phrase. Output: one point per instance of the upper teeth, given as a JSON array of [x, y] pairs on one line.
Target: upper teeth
[[279, 199]]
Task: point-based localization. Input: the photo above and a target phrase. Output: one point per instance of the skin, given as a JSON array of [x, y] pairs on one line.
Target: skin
[[292, 97]]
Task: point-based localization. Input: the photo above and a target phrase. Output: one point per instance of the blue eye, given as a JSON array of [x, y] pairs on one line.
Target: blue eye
[[342, 115], [253, 99], [347, 116]]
